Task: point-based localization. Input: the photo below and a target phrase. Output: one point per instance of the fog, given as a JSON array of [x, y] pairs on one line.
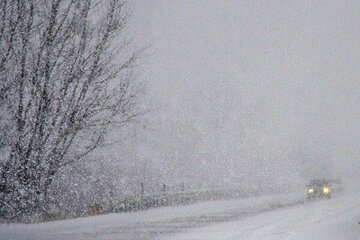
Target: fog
[[255, 94], [184, 101], [252, 91]]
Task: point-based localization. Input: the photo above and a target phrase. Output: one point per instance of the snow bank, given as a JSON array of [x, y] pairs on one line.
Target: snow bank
[[148, 224]]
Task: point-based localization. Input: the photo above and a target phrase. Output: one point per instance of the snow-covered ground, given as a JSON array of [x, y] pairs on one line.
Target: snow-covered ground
[[270, 217], [337, 218]]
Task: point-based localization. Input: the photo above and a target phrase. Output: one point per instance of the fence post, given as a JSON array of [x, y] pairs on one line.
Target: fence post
[[142, 189]]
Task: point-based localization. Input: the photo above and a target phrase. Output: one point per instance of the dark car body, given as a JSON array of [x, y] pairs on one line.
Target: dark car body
[[319, 188]]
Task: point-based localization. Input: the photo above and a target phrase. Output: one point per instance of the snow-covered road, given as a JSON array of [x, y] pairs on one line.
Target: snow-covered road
[[337, 218], [271, 217]]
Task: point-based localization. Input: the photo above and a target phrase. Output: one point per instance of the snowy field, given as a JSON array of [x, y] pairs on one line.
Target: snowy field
[[270, 217]]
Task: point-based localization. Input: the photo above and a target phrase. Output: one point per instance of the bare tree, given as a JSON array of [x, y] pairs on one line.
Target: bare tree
[[66, 78]]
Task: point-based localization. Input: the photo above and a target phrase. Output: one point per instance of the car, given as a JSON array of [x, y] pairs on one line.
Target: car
[[319, 188]]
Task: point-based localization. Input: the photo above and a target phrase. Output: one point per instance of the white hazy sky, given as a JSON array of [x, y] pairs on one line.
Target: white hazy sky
[[263, 75]]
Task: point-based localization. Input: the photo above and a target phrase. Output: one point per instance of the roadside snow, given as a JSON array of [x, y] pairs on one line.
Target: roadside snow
[[324, 219], [148, 224], [290, 218]]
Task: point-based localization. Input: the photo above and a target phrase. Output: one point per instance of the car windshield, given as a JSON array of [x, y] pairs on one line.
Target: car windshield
[[318, 182]]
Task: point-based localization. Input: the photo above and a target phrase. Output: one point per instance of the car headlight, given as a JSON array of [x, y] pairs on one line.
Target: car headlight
[[326, 190], [310, 190]]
